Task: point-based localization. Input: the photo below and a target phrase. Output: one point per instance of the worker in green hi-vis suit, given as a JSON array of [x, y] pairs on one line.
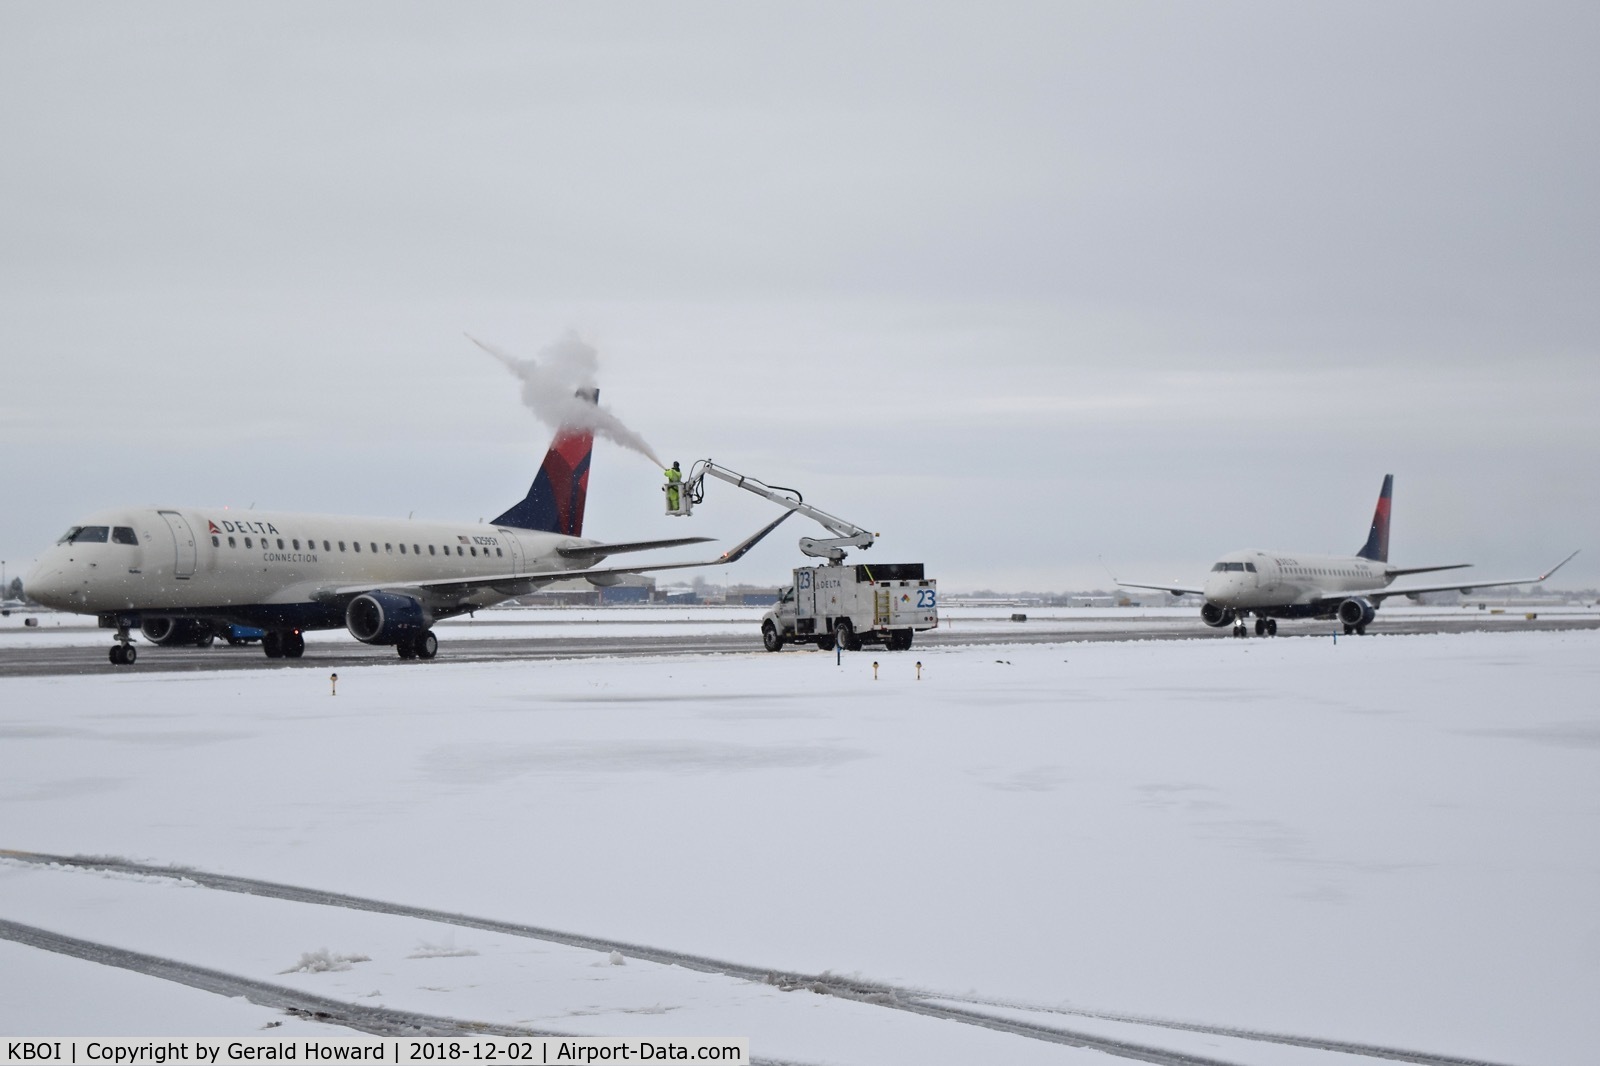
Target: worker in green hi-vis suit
[[674, 476]]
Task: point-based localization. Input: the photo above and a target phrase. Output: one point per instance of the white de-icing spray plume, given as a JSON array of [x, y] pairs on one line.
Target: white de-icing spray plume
[[550, 385]]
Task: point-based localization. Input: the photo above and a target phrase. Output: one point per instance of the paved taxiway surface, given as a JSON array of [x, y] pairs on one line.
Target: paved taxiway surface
[[459, 643]]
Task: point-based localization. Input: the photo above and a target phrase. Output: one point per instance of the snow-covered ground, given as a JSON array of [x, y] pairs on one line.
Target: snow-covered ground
[[1389, 841]]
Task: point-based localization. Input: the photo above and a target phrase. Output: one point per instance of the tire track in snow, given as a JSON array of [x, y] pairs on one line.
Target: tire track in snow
[[913, 1000], [378, 1021], [824, 984], [1376, 1051]]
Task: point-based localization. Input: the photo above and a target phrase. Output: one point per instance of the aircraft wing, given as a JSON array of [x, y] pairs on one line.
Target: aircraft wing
[[509, 585], [1394, 572], [584, 551], [1176, 590], [1380, 594]]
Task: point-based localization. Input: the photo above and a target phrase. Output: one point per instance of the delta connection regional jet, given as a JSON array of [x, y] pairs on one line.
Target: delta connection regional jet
[[182, 575], [1350, 588]]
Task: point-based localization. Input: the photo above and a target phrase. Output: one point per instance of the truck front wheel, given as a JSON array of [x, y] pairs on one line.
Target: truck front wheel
[[770, 638]]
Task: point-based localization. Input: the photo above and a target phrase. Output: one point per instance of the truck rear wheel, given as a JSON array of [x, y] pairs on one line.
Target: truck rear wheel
[[900, 640], [770, 638]]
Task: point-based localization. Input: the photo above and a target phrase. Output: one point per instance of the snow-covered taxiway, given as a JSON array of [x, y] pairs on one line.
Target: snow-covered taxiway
[[1290, 851], [72, 644]]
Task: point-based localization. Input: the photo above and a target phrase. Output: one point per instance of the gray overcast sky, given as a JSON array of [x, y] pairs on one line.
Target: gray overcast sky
[[1024, 287]]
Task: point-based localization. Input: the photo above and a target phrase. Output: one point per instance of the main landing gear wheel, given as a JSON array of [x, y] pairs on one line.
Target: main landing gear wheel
[[422, 645], [294, 645], [1261, 627], [272, 644], [1272, 627], [770, 638]]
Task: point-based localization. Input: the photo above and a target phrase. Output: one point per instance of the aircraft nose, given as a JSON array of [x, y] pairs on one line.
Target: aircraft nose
[[46, 584]]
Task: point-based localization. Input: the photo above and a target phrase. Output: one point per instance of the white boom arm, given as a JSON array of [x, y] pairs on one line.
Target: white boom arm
[[845, 534]]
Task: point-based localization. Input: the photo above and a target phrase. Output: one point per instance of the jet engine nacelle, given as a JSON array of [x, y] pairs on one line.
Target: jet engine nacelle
[[168, 632], [385, 617], [1356, 611], [1217, 617]]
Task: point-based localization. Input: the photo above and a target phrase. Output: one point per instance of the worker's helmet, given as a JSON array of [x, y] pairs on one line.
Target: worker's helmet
[[675, 464]]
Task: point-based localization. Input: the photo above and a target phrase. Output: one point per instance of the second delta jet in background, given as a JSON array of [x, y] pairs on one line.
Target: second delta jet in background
[[1350, 588]]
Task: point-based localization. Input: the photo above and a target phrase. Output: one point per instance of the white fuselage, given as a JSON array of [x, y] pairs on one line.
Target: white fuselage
[[235, 564], [1260, 580]]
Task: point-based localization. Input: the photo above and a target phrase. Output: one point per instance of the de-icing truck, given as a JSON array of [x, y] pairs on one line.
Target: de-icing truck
[[833, 604], [851, 605]]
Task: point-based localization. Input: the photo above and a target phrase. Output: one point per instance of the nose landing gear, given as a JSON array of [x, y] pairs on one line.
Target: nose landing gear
[[1265, 627], [123, 653]]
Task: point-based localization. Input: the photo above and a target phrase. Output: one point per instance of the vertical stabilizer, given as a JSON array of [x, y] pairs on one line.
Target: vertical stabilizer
[[1377, 546], [554, 502]]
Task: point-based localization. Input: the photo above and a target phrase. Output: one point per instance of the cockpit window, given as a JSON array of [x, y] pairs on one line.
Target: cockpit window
[[85, 535], [1218, 568], [124, 535], [1250, 567]]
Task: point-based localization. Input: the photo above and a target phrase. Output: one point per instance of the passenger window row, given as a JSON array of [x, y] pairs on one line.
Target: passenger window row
[[310, 545]]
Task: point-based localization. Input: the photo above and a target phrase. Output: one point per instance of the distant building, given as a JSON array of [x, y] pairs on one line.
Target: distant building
[[750, 596], [578, 592]]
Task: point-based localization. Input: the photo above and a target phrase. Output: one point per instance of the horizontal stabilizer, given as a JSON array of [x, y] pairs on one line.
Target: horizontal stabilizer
[[1175, 590], [584, 551]]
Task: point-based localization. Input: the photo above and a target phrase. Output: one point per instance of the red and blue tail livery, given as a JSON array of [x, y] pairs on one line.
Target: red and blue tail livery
[[554, 503], [1377, 546]]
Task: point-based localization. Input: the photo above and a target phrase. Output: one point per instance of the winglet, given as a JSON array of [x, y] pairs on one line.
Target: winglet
[[1558, 566], [738, 550], [1377, 546]]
